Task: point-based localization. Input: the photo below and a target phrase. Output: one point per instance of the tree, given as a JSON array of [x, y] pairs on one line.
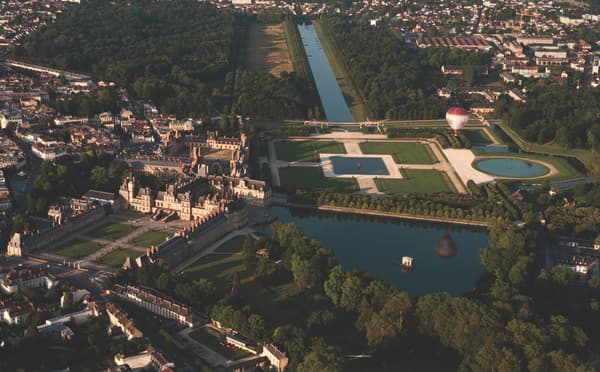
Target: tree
[[333, 285], [321, 358], [235, 284], [256, 325], [249, 251], [100, 178]]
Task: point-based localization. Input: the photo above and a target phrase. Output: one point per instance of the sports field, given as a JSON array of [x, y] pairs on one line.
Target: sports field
[[307, 151], [117, 257], [415, 181], [312, 178], [111, 231], [77, 248], [402, 152], [151, 238], [267, 49]]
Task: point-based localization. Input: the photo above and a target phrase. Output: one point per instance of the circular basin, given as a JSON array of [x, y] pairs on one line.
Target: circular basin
[[508, 167]]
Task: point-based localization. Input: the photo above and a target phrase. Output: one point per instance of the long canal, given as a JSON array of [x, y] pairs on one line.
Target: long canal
[[332, 99]]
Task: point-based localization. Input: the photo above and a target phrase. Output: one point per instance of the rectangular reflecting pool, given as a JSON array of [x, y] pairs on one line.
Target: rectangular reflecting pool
[[358, 165]]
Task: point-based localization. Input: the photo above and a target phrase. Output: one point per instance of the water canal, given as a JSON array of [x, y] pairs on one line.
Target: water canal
[[332, 99], [377, 245]]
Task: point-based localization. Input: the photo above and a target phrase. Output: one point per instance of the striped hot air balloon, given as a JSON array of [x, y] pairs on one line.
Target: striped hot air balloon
[[457, 117]]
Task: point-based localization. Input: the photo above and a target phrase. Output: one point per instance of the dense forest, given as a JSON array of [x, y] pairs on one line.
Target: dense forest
[[173, 52], [185, 56], [560, 114], [396, 80]]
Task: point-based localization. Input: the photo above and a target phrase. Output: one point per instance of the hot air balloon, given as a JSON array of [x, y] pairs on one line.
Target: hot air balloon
[[457, 117]]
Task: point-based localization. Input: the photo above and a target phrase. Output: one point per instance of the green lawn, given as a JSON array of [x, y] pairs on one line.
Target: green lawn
[[233, 245], [402, 152], [151, 238], [477, 137], [117, 257], [211, 338], [415, 181], [307, 150], [77, 248], [312, 178], [111, 231]]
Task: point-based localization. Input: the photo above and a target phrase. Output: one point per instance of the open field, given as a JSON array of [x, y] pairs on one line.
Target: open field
[[267, 49], [111, 231], [313, 178], [211, 338], [307, 151], [402, 152], [415, 181], [151, 238], [77, 248], [118, 256], [350, 92], [585, 156], [477, 137], [233, 245]]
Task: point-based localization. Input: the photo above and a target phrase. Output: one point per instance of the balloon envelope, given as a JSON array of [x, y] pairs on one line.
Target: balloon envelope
[[457, 117]]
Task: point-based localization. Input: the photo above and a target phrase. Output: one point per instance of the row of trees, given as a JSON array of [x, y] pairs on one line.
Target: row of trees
[[491, 204]]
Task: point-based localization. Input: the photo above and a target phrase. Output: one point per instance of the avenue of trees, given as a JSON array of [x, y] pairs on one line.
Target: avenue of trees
[[489, 203], [555, 114], [396, 80]]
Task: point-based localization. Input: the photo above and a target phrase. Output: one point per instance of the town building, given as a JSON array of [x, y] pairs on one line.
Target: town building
[[147, 359], [17, 279], [278, 359], [118, 318], [156, 302]]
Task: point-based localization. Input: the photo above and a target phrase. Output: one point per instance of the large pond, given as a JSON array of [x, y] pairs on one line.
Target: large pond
[[506, 167], [377, 245], [332, 99]]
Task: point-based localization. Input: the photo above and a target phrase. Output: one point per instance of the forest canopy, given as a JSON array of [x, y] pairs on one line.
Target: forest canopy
[[396, 80], [175, 53]]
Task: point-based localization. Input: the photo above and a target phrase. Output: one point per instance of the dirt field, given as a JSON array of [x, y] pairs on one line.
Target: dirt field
[[267, 49]]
